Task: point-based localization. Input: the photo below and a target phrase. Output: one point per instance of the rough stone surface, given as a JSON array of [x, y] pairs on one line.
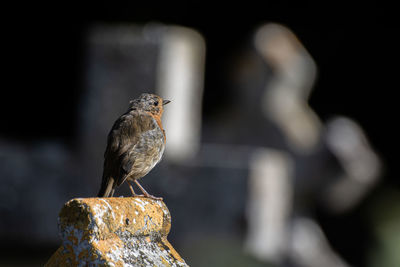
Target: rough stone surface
[[115, 232]]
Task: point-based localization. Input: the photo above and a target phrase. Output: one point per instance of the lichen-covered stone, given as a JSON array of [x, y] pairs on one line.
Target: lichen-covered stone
[[115, 232]]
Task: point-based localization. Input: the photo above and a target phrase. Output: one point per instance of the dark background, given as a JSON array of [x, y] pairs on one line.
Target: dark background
[[354, 47]]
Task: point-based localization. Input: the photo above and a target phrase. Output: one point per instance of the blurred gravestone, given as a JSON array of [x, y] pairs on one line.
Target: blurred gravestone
[[121, 64], [125, 61]]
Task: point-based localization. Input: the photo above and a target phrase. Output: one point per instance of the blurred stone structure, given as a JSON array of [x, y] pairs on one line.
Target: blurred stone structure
[[285, 185], [43, 175]]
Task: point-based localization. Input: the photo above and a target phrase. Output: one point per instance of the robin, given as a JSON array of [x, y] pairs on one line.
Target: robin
[[135, 145]]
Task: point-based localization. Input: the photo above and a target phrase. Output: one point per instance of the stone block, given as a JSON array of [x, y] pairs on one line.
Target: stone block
[[115, 232]]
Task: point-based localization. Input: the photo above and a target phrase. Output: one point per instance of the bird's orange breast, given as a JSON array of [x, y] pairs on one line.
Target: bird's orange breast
[[158, 120]]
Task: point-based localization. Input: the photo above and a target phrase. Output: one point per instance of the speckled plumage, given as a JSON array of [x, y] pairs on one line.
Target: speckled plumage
[[135, 143]]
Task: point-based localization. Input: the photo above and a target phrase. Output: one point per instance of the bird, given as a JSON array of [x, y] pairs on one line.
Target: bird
[[135, 144]]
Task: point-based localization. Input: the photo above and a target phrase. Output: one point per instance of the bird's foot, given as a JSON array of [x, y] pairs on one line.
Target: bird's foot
[[145, 192], [153, 197]]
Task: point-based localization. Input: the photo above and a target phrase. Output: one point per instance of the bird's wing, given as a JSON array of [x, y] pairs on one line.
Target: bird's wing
[[122, 139]]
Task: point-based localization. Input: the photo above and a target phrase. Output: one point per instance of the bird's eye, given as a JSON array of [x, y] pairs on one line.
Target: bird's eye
[[155, 103]]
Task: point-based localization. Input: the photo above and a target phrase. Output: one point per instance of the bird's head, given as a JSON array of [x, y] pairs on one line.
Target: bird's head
[[150, 103]]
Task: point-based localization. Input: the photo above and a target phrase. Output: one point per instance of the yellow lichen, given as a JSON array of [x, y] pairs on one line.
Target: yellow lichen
[[110, 231]]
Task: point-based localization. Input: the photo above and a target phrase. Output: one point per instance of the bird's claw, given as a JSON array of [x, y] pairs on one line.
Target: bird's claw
[[153, 197]]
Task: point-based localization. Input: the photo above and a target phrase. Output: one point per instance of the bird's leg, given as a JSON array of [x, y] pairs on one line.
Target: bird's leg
[[133, 191], [147, 194]]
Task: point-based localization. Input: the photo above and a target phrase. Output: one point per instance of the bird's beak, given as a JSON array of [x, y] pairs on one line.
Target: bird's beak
[[166, 102]]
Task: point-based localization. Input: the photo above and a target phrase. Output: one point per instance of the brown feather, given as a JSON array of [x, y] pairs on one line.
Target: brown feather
[[135, 145]]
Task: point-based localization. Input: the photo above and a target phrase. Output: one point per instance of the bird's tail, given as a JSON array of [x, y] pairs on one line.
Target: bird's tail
[[107, 187]]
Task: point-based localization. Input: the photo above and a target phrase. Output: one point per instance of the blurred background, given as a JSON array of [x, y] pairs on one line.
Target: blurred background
[[280, 134]]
